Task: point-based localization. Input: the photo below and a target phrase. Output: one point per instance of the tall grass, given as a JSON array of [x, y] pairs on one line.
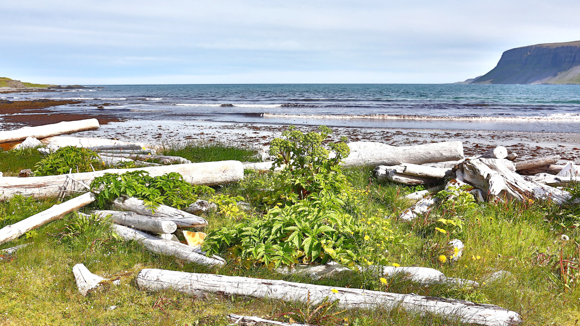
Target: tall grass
[[11, 162], [211, 152]]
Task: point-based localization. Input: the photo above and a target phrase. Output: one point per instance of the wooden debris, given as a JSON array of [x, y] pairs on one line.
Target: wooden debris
[[11, 251], [392, 173], [167, 247], [536, 163], [164, 159], [418, 195], [14, 231], [200, 206], [551, 169], [425, 275], [194, 283], [253, 320], [140, 222], [209, 173], [373, 154], [48, 130], [422, 207], [499, 152], [86, 281], [92, 143], [163, 212]]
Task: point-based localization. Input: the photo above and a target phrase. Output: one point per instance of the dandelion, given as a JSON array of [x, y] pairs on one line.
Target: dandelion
[[396, 265], [441, 230], [442, 259], [367, 237], [383, 280], [478, 257], [334, 291]]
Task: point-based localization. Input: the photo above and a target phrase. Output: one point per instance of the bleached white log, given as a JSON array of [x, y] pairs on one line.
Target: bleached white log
[[168, 236], [200, 206], [499, 152], [512, 156], [536, 163], [551, 180], [422, 207], [12, 250], [86, 280], [141, 151], [315, 272], [15, 230], [444, 165], [395, 174], [145, 157], [496, 179], [425, 275], [113, 161], [210, 173], [252, 320], [570, 171], [417, 195], [136, 221], [260, 166], [92, 143], [39, 132], [373, 154], [550, 169], [425, 171], [181, 218], [194, 283], [167, 247]]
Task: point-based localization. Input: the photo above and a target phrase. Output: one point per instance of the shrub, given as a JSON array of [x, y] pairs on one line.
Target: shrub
[[67, 159]]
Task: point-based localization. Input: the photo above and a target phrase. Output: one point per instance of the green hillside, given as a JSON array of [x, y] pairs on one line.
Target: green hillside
[[7, 82]]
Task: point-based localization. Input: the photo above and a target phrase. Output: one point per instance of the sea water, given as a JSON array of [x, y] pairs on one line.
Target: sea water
[[548, 108]]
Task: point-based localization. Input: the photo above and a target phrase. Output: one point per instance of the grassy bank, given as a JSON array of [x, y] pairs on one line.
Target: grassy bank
[[526, 239]]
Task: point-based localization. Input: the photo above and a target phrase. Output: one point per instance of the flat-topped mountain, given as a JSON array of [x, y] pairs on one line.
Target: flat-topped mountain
[[551, 63]]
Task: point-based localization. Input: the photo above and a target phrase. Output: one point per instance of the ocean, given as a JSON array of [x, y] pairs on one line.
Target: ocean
[[538, 108]]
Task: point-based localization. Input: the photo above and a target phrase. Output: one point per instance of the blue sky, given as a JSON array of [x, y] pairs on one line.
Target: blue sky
[[255, 41]]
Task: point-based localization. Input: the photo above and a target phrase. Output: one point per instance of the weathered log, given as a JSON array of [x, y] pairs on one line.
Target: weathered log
[[167, 247], [145, 157], [537, 162], [194, 283], [210, 173], [113, 161], [12, 250], [499, 152], [425, 171], [551, 180], [422, 207], [418, 195], [86, 280], [496, 179], [396, 174], [444, 165], [253, 320], [570, 171], [39, 132], [425, 275], [260, 166], [92, 143], [179, 217], [550, 169], [141, 151], [136, 221], [373, 154], [14, 231]]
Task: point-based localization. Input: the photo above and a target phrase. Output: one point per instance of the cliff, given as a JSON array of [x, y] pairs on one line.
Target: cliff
[[553, 63]]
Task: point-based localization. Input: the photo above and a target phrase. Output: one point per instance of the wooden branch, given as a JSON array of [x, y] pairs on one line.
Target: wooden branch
[[113, 161], [252, 320], [396, 174], [163, 158], [210, 173], [550, 169], [192, 283], [136, 221], [181, 218], [373, 154], [499, 152], [536, 163], [418, 195], [86, 281], [14, 231], [60, 128], [167, 247], [92, 143]]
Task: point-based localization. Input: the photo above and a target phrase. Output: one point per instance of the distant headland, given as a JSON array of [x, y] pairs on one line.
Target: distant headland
[[551, 63], [11, 85]]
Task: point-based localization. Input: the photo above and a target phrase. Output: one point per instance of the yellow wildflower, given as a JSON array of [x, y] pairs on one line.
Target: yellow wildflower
[[334, 291], [396, 265], [441, 230], [367, 237], [383, 280], [442, 258]]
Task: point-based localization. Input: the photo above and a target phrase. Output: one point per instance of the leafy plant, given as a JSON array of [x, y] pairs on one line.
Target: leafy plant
[[168, 189], [67, 159]]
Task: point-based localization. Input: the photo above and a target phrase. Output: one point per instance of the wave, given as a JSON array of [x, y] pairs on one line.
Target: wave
[[229, 105], [558, 117], [90, 98]]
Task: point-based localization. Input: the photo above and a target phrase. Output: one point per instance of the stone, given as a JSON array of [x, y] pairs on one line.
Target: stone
[[200, 206], [25, 173], [29, 142]]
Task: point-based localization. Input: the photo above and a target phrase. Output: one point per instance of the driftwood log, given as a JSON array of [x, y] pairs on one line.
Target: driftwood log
[[550, 169], [498, 152], [92, 143], [253, 320], [167, 247], [14, 231], [422, 207], [194, 283], [210, 173], [164, 159], [410, 174], [86, 281], [48, 130], [537, 162], [136, 221], [373, 154], [162, 212]]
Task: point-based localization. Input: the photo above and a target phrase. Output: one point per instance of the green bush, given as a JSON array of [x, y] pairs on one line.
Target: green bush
[[69, 159]]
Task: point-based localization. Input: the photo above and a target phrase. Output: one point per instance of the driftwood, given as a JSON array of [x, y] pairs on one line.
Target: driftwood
[[140, 222], [444, 165], [11, 251], [210, 173], [86, 280], [422, 207], [48, 130], [114, 161], [14, 231], [163, 212], [373, 154], [395, 174], [167, 247], [496, 179], [194, 283], [536, 163], [550, 169], [253, 320], [164, 159], [499, 152], [92, 143], [418, 195]]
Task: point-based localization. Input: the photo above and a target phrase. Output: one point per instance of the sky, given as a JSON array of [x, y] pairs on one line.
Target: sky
[[253, 41]]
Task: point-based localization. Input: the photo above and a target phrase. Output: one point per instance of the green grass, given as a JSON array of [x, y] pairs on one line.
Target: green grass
[[37, 285], [211, 152], [11, 162], [4, 83]]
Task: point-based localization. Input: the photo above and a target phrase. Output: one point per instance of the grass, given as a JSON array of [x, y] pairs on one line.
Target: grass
[[37, 285], [4, 83], [11, 162], [211, 152]]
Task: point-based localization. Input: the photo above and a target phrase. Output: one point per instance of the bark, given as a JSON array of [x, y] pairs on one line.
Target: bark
[[14, 231], [194, 283], [550, 169], [48, 130], [167, 247], [140, 222], [496, 179], [373, 154], [92, 143], [537, 162], [179, 217], [86, 280], [210, 173]]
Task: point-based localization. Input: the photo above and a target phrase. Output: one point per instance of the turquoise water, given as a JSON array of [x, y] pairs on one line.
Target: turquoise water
[[550, 108]]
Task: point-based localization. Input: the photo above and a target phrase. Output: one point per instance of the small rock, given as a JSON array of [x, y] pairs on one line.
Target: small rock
[[29, 142], [200, 206], [25, 173]]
